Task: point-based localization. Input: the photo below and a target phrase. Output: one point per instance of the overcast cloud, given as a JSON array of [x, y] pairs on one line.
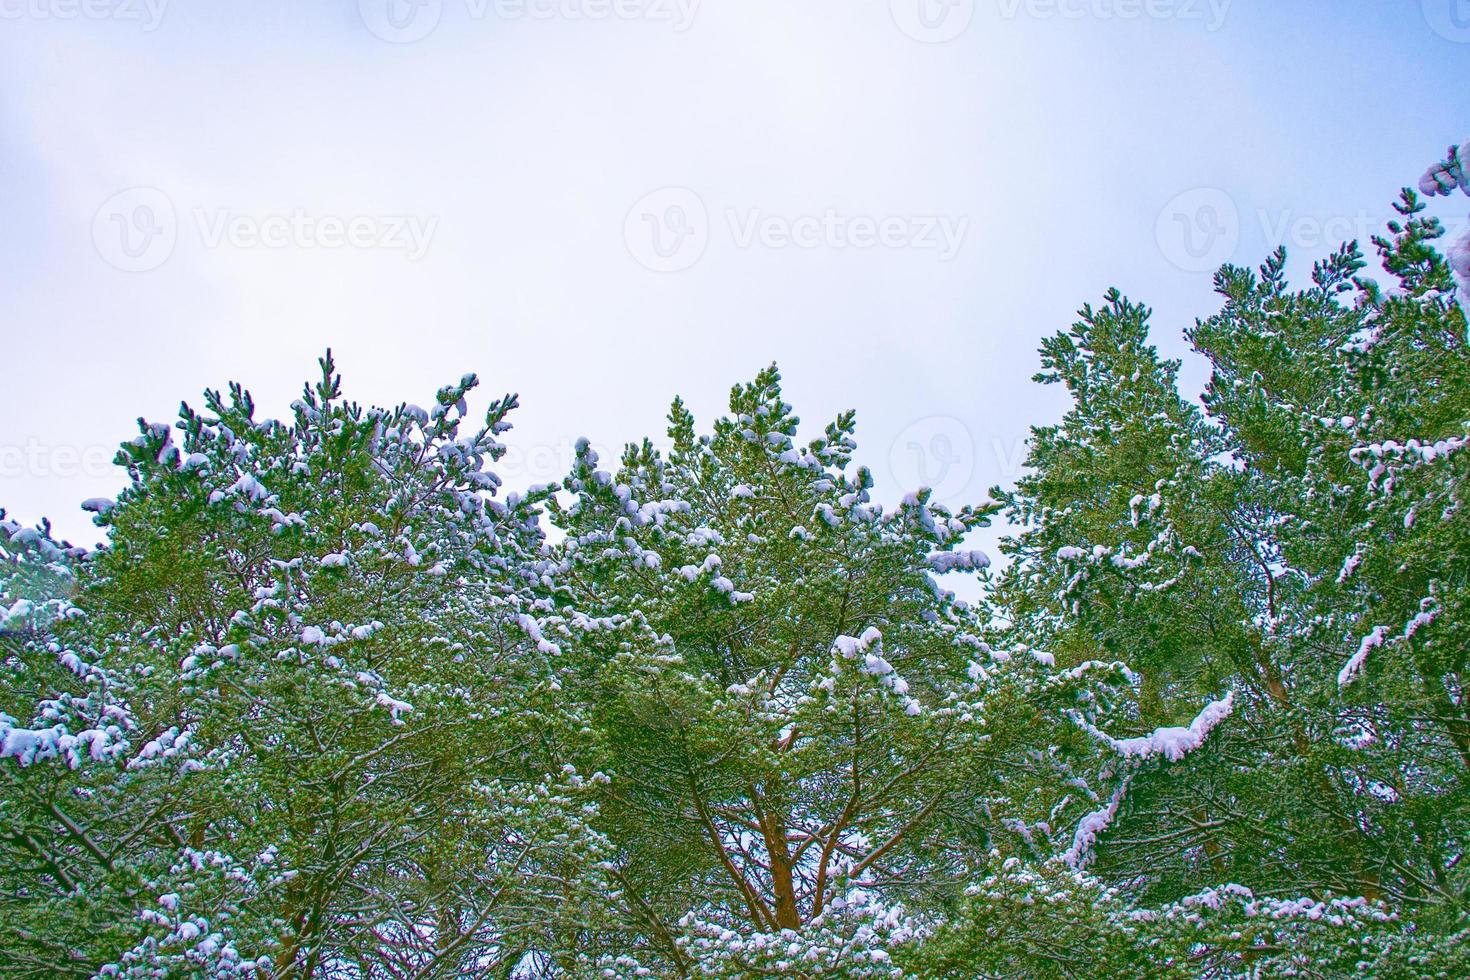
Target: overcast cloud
[[604, 203]]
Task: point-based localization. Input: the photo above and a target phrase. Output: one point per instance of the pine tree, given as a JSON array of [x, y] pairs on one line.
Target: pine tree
[[794, 716], [1291, 549], [330, 703], [300, 660]]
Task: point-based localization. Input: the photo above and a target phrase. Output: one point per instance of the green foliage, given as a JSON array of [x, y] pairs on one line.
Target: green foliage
[[1296, 543], [302, 680], [759, 648], [329, 704]]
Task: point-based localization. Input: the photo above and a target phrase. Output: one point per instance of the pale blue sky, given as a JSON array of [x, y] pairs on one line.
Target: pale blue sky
[[895, 202]]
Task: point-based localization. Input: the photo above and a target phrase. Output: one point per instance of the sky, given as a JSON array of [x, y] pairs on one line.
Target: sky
[[600, 204]]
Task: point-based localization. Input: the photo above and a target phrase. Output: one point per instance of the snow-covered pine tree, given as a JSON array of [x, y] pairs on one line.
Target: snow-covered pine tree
[[301, 735], [327, 704], [799, 725], [1297, 548]]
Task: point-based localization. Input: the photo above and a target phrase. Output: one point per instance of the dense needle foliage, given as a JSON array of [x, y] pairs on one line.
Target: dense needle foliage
[[331, 703]]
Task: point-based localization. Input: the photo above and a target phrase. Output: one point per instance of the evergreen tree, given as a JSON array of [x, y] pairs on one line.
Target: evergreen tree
[[330, 704], [797, 721], [1294, 548], [296, 742]]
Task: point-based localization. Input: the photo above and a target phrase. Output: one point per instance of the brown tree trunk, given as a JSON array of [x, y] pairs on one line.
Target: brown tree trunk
[[783, 884]]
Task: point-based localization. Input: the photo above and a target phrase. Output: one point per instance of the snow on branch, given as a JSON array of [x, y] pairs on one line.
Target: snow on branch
[[1355, 663], [1079, 855], [1378, 636], [1390, 456], [872, 662], [1172, 742]]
